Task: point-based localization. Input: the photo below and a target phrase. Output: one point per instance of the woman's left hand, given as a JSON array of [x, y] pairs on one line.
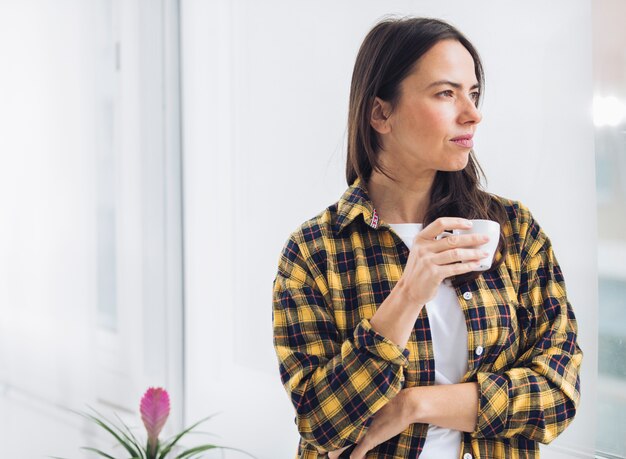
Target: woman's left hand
[[393, 418], [335, 454]]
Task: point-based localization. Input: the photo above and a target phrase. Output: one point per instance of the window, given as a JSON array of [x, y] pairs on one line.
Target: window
[[91, 263], [609, 41]]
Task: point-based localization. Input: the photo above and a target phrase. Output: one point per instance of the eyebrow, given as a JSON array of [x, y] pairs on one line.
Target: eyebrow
[[450, 83]]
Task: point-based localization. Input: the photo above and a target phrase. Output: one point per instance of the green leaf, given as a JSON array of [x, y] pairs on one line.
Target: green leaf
[[167, 447], [201, 432], [133, 439], [194, 450], [105, 426]]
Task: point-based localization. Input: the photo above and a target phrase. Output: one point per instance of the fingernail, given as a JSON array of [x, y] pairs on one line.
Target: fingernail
[[469, 223]]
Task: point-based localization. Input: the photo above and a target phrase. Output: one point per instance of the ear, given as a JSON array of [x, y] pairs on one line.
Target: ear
[[379, 118]]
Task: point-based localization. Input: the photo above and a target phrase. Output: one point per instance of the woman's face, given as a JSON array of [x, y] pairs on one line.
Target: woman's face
[[436, 105]]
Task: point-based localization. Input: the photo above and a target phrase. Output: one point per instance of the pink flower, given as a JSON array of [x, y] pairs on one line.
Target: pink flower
[[155, 408]]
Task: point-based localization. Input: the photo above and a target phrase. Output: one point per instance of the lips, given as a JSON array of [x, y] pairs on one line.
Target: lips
[[464, 141]]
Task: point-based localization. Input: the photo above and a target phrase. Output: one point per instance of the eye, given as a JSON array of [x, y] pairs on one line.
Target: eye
[[447, 92], [475, 95]]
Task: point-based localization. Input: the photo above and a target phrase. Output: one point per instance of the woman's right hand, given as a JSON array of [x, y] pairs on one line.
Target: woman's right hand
[[431, 261]]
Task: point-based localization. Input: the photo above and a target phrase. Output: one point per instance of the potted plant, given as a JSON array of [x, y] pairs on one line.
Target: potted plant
[[155, 409]]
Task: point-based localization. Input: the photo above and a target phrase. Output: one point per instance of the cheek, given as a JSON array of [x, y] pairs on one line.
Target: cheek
[[433, 119]]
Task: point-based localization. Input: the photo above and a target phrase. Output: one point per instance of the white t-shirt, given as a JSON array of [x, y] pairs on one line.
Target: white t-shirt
[[449, 337]]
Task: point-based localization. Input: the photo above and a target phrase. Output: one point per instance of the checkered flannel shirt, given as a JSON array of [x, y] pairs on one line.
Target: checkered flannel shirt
[[338, 267]]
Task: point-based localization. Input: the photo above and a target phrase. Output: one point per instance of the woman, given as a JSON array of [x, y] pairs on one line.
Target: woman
[[390, 344]]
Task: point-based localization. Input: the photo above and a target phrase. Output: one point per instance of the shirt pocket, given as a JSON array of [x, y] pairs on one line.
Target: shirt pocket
[[509, 325]]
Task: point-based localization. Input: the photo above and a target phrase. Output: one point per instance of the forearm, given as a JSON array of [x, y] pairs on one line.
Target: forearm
[[334, 399], [452, 406], [522, 401], [395, 317], [334, 386]]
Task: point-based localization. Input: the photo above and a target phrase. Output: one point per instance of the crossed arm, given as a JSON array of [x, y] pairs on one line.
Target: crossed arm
[[453, 406]]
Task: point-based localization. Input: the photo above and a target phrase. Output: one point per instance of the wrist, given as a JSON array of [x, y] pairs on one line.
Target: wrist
[[404, 292], [415, 408]]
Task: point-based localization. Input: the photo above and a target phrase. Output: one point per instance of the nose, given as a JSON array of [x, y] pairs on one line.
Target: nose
[[470, 113]]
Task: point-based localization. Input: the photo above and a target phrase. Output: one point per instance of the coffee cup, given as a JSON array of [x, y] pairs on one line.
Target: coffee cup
[[488, 227]]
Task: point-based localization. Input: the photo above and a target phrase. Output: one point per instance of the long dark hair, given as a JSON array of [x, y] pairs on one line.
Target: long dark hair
[[387, 56]]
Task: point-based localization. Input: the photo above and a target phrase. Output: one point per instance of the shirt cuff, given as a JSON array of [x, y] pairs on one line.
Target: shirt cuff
[[493, 405], [367, 339]]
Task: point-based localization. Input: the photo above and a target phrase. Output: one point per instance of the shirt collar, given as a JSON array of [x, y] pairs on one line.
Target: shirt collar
[[354, 202]]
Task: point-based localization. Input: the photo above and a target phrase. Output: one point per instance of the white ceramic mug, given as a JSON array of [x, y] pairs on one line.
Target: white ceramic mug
[[488, 227]]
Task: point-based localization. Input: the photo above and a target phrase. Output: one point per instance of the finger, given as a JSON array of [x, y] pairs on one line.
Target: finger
[[335, 454], [457, 268], [456, 255], [442, 224], [359, 452], [459, 240]]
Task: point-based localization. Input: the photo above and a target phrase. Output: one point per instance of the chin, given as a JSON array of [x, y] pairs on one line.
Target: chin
[[461, 163], [455, 167]]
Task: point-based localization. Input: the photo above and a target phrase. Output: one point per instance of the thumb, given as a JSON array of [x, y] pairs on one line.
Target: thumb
[[358, 452], [335, 454]]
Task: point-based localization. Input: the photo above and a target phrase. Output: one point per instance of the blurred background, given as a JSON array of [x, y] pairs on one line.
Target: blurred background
[[609, 87], [156, 154]]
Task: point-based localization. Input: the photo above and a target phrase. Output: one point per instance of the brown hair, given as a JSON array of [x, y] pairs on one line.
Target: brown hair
[[387, 56]]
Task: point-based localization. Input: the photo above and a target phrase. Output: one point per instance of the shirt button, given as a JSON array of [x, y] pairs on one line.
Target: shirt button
[[467, 456], [467, 296], [479, 350]]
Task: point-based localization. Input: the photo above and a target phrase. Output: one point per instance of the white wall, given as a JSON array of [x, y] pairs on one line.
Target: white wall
[[265, 91]]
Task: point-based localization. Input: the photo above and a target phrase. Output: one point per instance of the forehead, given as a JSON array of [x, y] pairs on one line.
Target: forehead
[[447, 59]]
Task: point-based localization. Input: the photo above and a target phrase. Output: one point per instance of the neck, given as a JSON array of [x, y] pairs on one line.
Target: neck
[[404, 200]]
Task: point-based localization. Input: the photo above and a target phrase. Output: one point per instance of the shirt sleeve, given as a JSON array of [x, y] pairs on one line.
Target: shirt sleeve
[[538, 396], [335, 385]]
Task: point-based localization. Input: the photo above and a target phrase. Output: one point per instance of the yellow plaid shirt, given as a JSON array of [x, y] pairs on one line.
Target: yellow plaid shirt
[[338, 267]]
